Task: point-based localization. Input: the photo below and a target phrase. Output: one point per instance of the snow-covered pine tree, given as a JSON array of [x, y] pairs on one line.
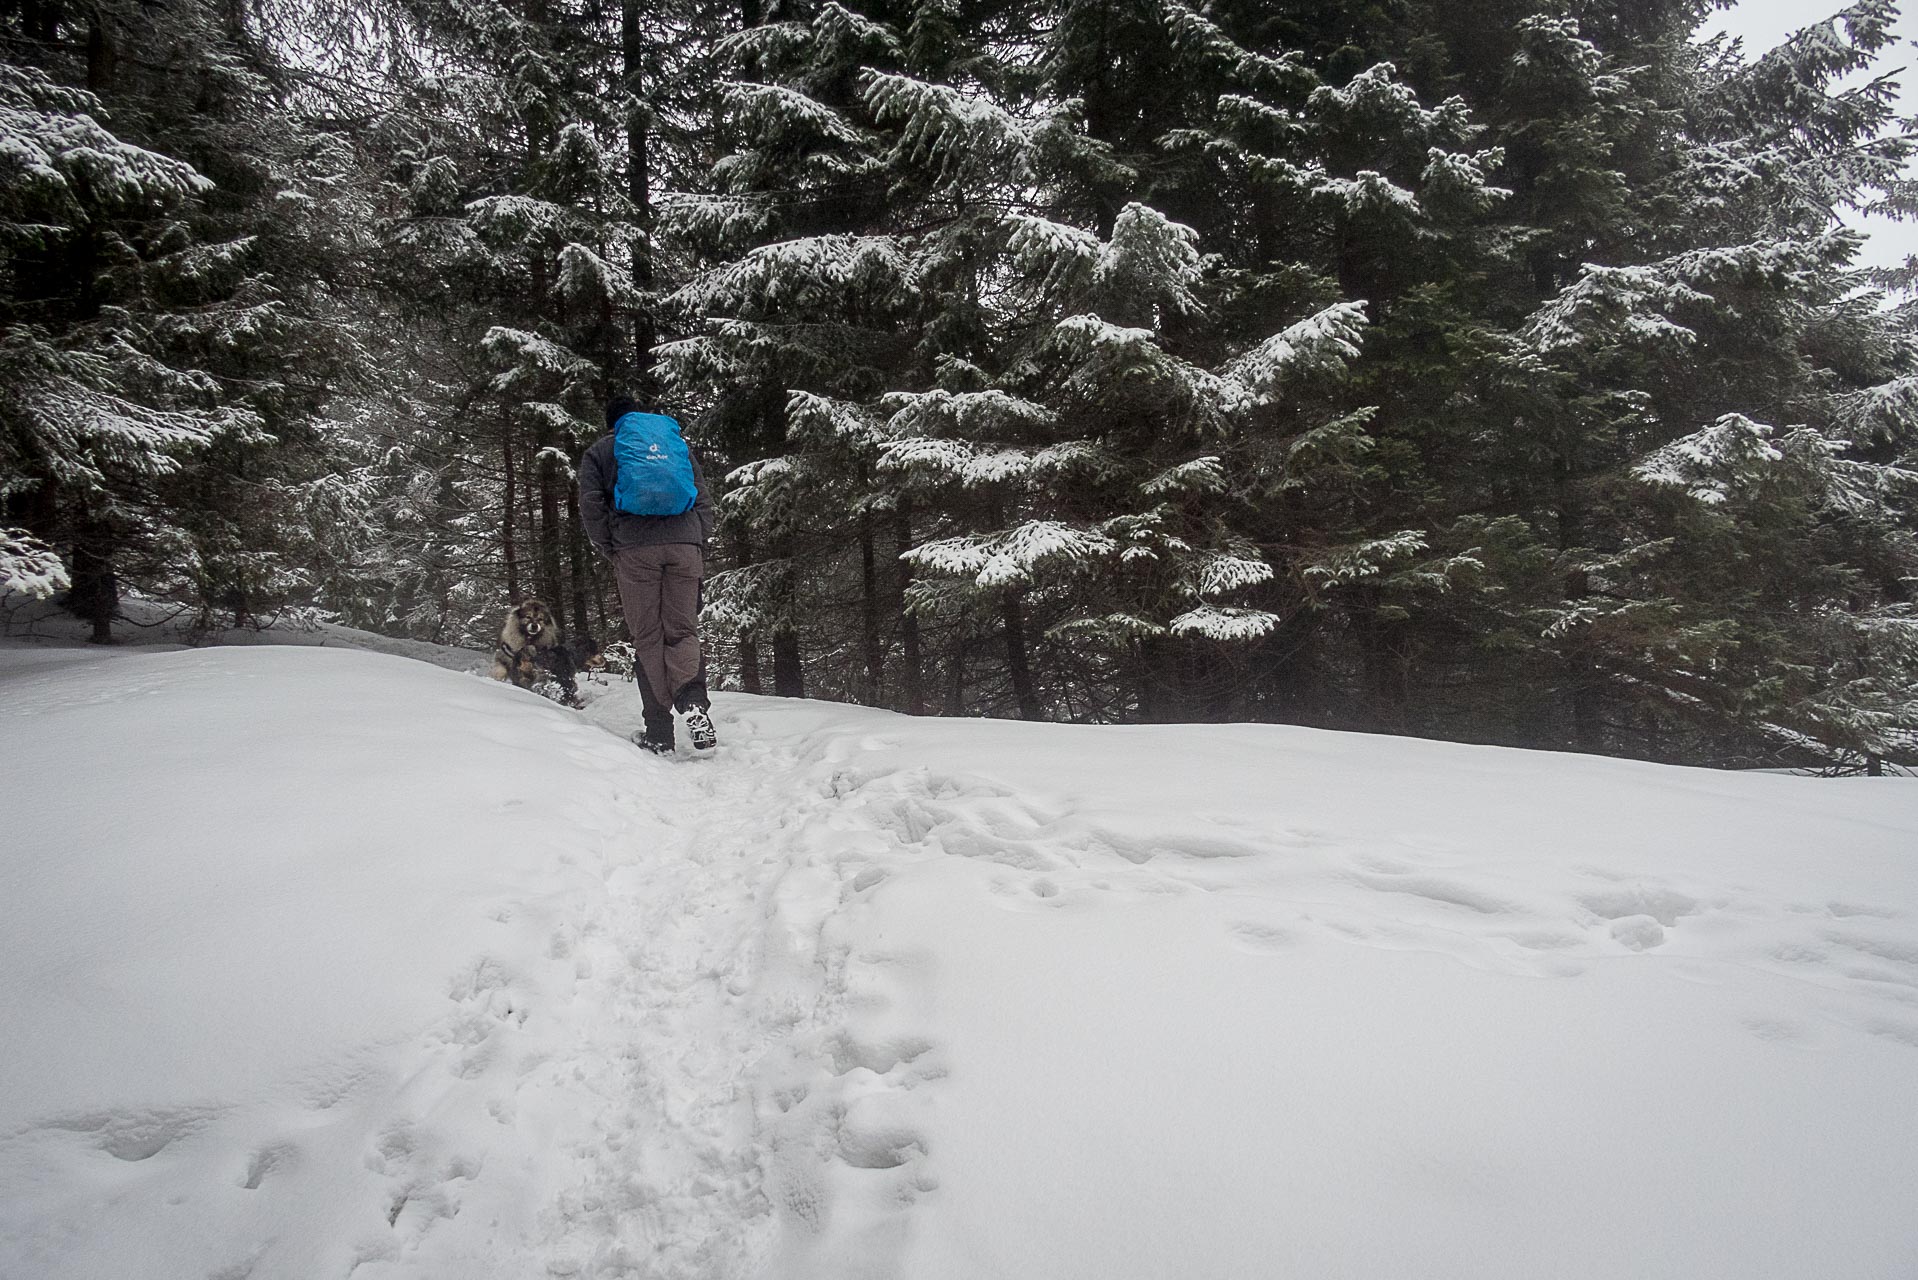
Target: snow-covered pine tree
[[1118, 471], [1749, 579], [1502, 145], [807, 302], [522, 150], [82, 434], [1309, 205], [421, 527], [150, 336]]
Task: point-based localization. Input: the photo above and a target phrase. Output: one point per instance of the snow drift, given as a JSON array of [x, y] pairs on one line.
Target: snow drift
[[321, 963]]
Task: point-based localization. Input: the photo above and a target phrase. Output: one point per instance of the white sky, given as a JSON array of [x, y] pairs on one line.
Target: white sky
[[1763, 23]]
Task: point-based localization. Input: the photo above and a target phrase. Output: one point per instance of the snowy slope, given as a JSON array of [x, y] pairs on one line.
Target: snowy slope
[[317, 963], [31, 626]]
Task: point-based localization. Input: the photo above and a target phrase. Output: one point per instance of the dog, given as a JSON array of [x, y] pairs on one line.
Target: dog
[[529, 641]]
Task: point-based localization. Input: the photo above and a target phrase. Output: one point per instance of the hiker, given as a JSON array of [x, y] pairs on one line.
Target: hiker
[[646, 508]]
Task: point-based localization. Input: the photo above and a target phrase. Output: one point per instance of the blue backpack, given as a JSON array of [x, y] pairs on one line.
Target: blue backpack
[[653, 469]]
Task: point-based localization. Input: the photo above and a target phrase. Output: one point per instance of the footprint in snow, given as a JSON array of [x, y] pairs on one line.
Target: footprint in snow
[[1640, 933], [1256, 938]]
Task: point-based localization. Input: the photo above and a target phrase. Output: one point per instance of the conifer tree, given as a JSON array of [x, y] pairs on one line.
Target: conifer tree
[[155, 333], [805, 299], [1755, 542]]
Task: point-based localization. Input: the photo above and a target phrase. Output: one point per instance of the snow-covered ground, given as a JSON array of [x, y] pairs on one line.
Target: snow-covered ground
[[39, 625], [317, 962]]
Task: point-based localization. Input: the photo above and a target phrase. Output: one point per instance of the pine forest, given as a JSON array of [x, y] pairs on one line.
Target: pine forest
[[1501, 371]]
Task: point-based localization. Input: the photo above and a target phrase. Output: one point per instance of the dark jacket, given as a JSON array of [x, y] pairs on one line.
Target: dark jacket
[[609, 529]]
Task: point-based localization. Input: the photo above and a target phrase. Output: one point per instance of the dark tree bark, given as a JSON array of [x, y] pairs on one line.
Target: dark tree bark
[[875, 651], [578, 557], [789, 676], [529, 518], [507, 546], [1383, 663], [95, 594], [954, 703], [1014, 615], [914, 676], [749, 680], [102, 57], [789, 679], [748, 646], [1161, 696], [605, 632], [550, 532], [1588, 733]]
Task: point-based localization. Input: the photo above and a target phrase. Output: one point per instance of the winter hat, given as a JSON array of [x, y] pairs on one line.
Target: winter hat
[[617, 408]]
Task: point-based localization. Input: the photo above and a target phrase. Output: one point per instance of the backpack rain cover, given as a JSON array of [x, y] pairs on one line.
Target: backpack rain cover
[[653, 469]]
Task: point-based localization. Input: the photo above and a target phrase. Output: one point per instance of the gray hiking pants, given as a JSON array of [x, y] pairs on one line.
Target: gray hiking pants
[[659, 594]]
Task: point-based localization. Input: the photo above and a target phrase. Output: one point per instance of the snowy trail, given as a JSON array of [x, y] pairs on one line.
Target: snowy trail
[[349, 967], [733, 1098], [669, 1025]]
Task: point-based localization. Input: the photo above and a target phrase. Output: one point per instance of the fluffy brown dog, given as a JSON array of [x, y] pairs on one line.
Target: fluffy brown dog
[[528, 641]]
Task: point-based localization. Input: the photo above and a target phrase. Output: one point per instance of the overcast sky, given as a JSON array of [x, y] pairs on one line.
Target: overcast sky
[[1763, 23]]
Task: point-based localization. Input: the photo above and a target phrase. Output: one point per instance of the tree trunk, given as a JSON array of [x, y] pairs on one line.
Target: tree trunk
[[1587, 729], [1161, 697], [550, 533], [599, 599], [748, 647], [1588, 726], [1383, 666], [749, 681], [529, 517], [102, 57], [577, 559], [95, 594], [869, 614], [914, 676], [954, 703], [1014, 615], [789, 677], [509, 549]]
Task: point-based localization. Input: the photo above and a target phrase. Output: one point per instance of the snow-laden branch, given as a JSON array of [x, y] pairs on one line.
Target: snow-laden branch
[[1363, 561], [29, 565], [1224, 623], [55, 155], [814, 270], [1013, 557], [1322, 342]]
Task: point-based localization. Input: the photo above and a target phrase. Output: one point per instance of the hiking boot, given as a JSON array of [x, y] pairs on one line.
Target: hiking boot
[[658, 746], [699, 727]]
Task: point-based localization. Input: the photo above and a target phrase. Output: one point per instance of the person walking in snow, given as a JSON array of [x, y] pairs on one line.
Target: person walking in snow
[[647, 510]]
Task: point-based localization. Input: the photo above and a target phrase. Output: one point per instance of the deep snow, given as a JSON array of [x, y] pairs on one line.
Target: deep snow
[[319, 962]]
